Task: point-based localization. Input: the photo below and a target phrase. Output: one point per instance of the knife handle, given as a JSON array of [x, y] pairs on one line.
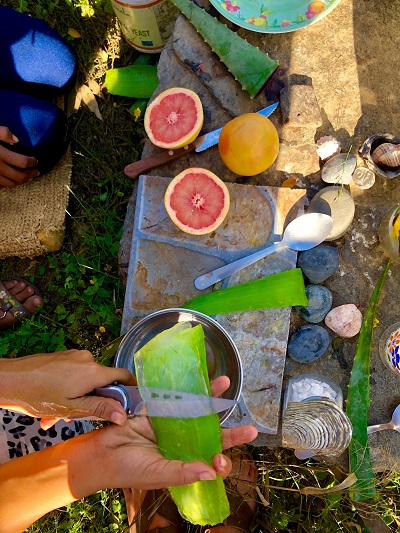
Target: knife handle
[[157, 160], [116, 392]]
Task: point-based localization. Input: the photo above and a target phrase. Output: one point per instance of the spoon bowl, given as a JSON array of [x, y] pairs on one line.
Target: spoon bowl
[[393, 424], [303, 233]]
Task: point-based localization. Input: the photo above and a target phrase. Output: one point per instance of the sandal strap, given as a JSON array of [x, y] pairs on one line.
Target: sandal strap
[[160, 502], [9, 304]]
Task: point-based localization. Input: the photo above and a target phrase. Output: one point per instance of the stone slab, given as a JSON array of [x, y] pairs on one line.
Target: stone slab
[[165, 261]]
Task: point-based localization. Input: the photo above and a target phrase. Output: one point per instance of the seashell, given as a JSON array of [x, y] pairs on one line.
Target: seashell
[[327, 147], [318, 426], [387, 154], [369, 147]]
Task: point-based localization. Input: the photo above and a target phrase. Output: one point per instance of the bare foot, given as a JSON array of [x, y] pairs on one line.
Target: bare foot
[[18, 293]]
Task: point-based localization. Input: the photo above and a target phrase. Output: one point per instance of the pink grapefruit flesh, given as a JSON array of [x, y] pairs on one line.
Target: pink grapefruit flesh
[[197, 201], [174, 118]]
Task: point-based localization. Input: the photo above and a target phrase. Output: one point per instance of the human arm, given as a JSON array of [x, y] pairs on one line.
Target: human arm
[[15, 168], [55, 385], [111, 457]]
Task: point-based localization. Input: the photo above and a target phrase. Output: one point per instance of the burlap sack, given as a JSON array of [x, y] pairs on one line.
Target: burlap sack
[[33, 214]]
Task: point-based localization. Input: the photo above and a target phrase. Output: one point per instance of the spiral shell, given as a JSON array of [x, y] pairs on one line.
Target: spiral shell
[[370, 146], [387, 154], [319, 426]]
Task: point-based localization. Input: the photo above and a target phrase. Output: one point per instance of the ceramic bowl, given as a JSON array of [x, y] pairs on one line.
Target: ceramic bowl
[[222, 355]]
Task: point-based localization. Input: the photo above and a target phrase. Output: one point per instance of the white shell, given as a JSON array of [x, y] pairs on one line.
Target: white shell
[[327, 147], [387, 154], [320, 426]]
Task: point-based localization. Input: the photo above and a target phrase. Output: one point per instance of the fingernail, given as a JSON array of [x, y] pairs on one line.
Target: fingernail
[[15, 139], [117, 418], [222, 461], [206, 476]]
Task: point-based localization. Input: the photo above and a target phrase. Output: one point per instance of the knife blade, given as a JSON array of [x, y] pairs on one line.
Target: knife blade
[[198, 145], [165, 403]]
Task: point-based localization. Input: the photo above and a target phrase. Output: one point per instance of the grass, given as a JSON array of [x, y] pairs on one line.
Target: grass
[[84, 295]]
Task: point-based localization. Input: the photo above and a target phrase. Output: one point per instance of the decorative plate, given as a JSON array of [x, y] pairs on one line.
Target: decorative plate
[[274, 16]]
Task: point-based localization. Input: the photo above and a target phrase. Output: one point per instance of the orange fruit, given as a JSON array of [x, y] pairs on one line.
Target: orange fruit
[[174, 118], [248, 144], [197, 201]]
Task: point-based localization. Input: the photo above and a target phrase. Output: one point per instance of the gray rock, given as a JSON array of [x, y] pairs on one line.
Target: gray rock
[[338, 203], [319, 303], [318, 263], [339, 169], [308, 343]]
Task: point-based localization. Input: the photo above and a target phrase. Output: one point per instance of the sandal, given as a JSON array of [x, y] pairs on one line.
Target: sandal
[[18, 299], [156, 502], [240, 489]]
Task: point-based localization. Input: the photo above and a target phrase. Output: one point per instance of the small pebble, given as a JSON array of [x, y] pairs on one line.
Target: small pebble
[[364, 178], [319, 303], [345, 320], [339, 169], [308, 343], [318, 263], [338, 203]]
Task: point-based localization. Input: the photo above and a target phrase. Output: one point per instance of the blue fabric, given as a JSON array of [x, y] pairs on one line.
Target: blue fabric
[[36, 65], [40, 126], [33, 57]]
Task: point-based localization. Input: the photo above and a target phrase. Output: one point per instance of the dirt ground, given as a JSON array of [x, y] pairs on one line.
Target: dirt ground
[[350, 58]]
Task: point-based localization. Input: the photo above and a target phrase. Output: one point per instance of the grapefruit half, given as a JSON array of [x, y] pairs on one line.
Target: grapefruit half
[[174, 118], [197, 201]]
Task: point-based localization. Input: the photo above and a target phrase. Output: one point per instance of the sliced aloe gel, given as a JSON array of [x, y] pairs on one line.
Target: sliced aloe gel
[[176, 360]]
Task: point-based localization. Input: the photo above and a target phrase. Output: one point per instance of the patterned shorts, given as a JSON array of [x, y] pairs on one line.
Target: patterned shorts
[[21, 434]]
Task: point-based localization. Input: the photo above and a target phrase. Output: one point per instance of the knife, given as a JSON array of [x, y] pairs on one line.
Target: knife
[[165, 403], [198, 145]]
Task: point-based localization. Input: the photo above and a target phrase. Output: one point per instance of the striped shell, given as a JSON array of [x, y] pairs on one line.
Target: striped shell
[[387, 154], [319, 426]]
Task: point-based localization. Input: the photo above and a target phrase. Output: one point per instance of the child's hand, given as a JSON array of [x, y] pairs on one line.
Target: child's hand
[[15, 169]]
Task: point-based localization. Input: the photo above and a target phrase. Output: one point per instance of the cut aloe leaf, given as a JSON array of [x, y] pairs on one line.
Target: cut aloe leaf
[[135, 81], [358, 401], [250, 67], [284, 289], [176, 360]]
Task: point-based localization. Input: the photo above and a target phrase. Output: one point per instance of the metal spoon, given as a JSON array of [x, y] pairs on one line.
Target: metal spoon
[[303, 233], [393, 424]]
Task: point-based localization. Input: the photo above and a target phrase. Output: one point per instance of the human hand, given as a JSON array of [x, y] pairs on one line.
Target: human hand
[[15, 168], [128, 456], [55, 385]]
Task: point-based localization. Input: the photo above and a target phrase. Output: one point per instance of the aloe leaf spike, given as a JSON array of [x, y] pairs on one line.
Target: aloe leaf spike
[[358, 401], [250, 67]]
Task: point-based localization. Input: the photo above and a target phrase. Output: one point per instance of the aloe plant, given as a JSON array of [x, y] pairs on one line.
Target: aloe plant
[[176, 360], [284, 289], [358, 401], [250, 67]]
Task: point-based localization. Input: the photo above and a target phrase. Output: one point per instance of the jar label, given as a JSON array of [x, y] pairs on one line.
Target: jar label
[[147, 27]]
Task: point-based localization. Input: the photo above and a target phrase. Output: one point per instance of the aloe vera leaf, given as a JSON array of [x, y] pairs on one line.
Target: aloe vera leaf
[[135, 81], [250, 67], [176, 360], [358, 401], [284, 289]]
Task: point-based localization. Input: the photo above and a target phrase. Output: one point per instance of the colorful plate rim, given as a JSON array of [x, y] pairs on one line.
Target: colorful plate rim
[[301, 21]]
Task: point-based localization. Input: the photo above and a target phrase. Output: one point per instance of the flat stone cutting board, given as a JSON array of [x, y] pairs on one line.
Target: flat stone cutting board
[[165, 261]]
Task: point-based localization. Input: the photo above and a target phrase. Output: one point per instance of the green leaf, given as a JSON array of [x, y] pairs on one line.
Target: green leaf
[[284, 289], [358, 401]]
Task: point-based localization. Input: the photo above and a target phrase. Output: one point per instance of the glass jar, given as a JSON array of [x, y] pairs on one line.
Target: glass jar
[[307, 387], [389, 348], [388, 233]]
